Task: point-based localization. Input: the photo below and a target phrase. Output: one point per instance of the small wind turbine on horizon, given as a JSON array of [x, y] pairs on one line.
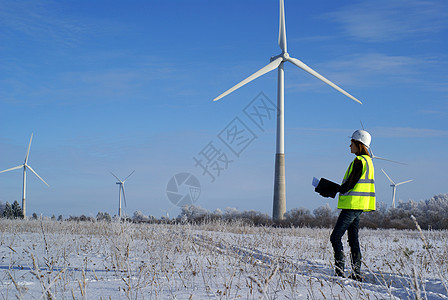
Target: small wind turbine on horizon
[[394, 186], [167, 216], [378, 157], [25, 166], [121, 190], [279, 205], [385, 159]]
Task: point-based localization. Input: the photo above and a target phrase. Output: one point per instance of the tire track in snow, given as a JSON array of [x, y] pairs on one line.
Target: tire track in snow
[[395, 285]]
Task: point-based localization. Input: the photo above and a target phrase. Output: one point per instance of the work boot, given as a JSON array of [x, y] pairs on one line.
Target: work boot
[[339, 264], [356, 277], [339, 270], [356, 267]]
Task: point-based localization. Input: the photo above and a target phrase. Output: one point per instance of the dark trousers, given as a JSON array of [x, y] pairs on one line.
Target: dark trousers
[[348, 220]]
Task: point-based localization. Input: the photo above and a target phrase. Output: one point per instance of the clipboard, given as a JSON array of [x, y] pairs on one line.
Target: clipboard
[[327, 188]]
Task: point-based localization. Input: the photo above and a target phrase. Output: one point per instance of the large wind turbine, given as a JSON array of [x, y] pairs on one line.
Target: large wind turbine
[[394, 186], [25, 166], [279, 207], [121, 190]]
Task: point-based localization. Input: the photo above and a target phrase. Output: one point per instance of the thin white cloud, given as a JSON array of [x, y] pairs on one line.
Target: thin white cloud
[[310, 131], [408, 132], [367, 69], [385, 20], [39, 20], [374, 68], [116, 81], [384, 132], [435, 113], [47, 22]]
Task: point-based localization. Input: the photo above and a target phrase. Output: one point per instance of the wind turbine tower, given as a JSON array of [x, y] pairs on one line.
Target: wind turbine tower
[[25, 166], [279, 205], [394, 186], [121, 191]]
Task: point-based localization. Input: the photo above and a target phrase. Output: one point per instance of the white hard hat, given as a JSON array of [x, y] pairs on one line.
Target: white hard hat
[[362, 136]]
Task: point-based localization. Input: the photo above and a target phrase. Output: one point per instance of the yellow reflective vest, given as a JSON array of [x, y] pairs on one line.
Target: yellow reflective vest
[[362, 196]]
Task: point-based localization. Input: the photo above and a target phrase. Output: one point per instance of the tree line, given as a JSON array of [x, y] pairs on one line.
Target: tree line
[[9, 211], [430, 214]]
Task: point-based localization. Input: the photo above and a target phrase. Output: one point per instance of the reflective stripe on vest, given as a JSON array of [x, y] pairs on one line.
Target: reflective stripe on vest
[[365, 194], [362, 196]]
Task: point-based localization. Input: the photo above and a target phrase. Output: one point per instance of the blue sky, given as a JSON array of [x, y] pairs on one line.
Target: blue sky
[[114, 86]]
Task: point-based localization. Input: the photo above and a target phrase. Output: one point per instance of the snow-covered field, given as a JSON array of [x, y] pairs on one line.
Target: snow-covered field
[[70, 260]]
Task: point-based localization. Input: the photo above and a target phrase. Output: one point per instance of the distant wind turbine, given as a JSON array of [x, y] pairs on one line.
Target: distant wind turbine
[[377, 157], [279, 205], [394, 186], [121, 190], [381, 158], [167, 216], [25, 166]]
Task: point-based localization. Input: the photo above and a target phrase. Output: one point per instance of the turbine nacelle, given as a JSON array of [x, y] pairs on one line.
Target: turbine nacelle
[[285, 56]]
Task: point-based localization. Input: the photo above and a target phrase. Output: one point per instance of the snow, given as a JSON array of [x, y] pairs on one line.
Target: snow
[[100, 260]]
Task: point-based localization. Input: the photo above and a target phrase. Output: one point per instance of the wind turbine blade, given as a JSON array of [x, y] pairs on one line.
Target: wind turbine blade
[[115, 176], [377, 157], [371, 151], [282, 28], [391, 181], [304, 67], [271, 66], [124, 196], [128, 176], [10, 169], [404, 182], [29, 146], [37, 175], [362, 125], [397, 162]]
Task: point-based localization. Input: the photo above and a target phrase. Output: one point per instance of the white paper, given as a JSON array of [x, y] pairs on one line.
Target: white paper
[[315, 181]]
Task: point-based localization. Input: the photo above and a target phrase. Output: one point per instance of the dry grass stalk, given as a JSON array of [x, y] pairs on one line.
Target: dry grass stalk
[[422, 236]]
